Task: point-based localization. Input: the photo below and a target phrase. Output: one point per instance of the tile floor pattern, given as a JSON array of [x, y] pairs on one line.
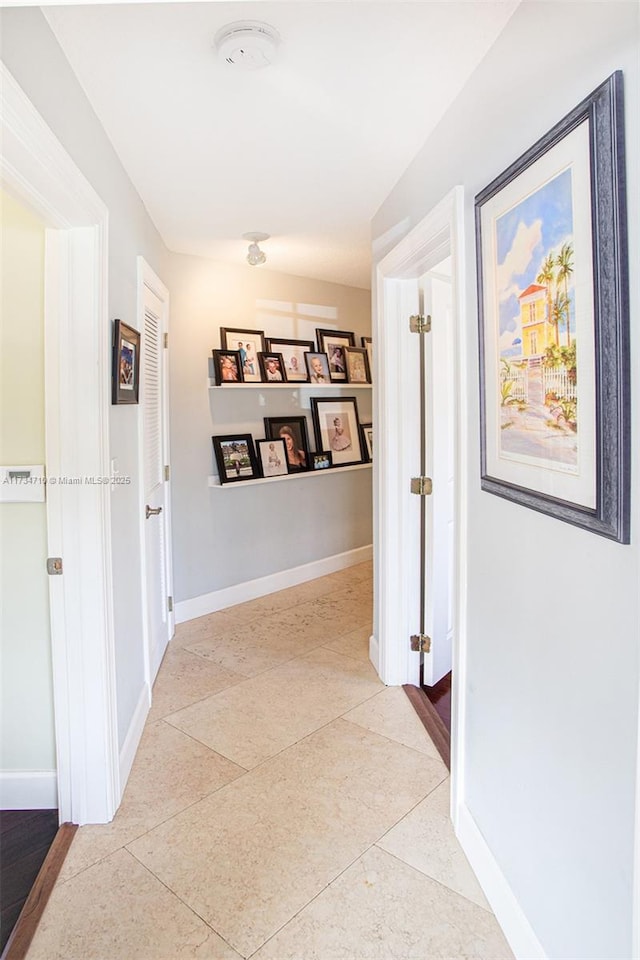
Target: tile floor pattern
[[283, 805]]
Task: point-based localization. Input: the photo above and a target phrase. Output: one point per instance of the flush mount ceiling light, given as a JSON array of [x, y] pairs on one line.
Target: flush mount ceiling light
[[247, 44], [255, 255]]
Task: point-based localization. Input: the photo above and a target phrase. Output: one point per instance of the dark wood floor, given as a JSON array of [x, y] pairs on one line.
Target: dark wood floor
[[25, 838], [440, 696]]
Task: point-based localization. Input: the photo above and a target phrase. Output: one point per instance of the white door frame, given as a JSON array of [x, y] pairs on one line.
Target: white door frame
[[148, 279], [396, 416], [37, 171]]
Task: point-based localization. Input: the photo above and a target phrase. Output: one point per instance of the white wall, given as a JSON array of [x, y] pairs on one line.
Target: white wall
[[26, 699], [224, 537], [553, 620], [33, 56]]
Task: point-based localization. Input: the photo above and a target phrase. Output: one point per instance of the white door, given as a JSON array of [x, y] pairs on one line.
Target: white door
[[439, 571], [155, 470]]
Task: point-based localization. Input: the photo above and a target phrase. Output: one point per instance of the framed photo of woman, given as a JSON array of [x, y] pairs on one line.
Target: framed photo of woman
[[293, 430]]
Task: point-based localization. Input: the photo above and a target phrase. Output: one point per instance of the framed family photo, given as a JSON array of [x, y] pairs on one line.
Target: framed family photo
[[333, 342], [293, 354], [125, 368], [293, 431], [554, 322], [235, 457], [337, 429], [248, 343]]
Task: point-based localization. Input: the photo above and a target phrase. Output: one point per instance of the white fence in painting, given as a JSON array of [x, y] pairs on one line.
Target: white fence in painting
[[517, 376], [556, 380]]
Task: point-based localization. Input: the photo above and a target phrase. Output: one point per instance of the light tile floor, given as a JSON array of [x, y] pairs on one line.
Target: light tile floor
[[283, 805]]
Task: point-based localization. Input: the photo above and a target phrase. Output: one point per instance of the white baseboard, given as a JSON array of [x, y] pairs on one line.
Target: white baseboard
[[504, 904], [374, 653], [251, 589], [28, 790], [132, 739]]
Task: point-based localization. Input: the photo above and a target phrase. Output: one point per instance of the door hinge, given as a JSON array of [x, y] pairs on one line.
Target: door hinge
[[54, 566], [420, 324], [170, 604], [420, 642], [422, 486], [165, 340], [167, 471]]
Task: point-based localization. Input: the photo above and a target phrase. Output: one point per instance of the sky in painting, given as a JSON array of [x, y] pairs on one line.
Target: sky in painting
[[525, 234]]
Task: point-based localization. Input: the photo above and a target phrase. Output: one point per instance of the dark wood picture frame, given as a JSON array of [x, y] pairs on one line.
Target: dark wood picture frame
[[322, 460], [125, 364], [367, 439], [594, 398], [357, 365], [270, 362], [294, 354], [235, 457], [236, 338], [293, 430], [272, 457], [317, 374], [336, 425], [227, 366], [333, 342]]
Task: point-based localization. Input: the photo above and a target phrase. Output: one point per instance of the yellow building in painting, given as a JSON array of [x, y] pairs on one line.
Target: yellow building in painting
[[537, 330]]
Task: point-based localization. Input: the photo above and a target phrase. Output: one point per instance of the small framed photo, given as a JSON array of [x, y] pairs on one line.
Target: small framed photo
[[337, 428], [235, 457], [272, 457], [227, 365], [125, 374], [321, 460], [367, 436], [318, 367], [333, 342], [293, 353], [272, 367], [357, 365], [367, 343], [248, 343], [293, 430]]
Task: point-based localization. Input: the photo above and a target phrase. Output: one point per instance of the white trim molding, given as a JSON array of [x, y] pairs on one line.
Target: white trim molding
[[252, 589], [36, 169], [28, 790], [134, 733]]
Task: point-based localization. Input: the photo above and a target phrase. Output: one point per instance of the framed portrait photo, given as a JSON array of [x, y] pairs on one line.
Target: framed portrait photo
[[248, 343], [554, 322], [272, 368], [293, 354], [227, 366], [293, 431], [337, 428], [333, 342], [318, 367], [367, 343], [235, 457], [357, 365], [367, 437], [272, 457], [125, 367], [321, 460]]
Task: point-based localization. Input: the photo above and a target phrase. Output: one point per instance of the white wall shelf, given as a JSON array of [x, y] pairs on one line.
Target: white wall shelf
[[291, 385], [303, 475]]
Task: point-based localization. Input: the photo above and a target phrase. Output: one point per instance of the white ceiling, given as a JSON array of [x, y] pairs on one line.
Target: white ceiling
[[306, 149]]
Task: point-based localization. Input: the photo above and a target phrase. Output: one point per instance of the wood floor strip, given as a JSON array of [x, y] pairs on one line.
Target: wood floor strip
[[24, 930], [432, 722]]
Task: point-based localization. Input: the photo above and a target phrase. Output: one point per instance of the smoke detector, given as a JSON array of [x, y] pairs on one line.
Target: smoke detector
[[248, 44]]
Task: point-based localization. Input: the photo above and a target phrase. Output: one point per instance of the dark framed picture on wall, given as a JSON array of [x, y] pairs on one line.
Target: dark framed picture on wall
[[125, 364], [333, 342], [293, 430], [293, 355], [272, 367], [235, 457], [337, 428], [248, 343], [554, 322], [227, 366], [357, 365]]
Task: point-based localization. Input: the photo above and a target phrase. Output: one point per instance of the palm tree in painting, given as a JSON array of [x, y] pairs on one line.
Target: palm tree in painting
[[560, 310], [564, 262], [546, 277]]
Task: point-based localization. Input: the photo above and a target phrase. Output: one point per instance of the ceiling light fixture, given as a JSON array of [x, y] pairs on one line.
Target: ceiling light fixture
[[255, 255], [248, 44]]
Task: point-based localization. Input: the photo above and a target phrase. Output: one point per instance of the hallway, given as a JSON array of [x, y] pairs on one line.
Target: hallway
[[283, 804]]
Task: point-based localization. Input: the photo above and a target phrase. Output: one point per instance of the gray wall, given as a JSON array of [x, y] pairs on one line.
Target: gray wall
[[552, 686], [32, 54], [227, 536]]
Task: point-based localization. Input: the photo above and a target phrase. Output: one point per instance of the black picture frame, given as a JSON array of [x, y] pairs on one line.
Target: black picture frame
[[366, 430], [272, 457], [294, 354], [336, 426], [322, 460], [248, 343], [367, 343], [590, 395], [227, 367], [333, 342], [235, 457], [272, 368], [296, 436], [357, 365], [317, 367], [125, 364]]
